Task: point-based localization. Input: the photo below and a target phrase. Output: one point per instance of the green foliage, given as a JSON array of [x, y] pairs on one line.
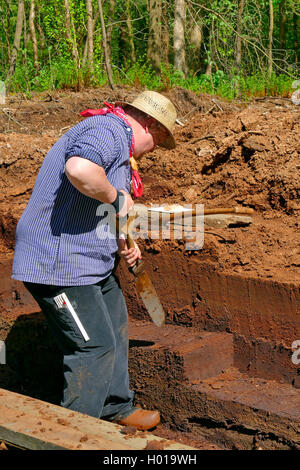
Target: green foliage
[[139, 74], [62, 74], [218, 19]]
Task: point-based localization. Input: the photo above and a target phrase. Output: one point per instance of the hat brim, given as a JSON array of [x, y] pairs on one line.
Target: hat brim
[[169, 143]]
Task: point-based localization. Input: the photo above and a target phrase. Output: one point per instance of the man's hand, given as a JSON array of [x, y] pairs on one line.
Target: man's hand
[[127, 205], [130, 255]]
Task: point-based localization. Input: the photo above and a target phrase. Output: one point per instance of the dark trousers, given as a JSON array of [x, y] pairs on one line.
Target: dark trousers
[[93, 336]]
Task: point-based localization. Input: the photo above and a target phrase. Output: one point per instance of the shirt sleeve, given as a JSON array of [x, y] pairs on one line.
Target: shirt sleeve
[[99, 145]]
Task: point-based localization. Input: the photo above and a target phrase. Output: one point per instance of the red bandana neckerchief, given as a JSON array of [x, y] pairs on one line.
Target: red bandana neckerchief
[[137, 185]]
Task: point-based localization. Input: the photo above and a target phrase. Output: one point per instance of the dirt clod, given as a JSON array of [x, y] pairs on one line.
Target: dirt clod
[[128, 430], [155, 445], [63, 422]]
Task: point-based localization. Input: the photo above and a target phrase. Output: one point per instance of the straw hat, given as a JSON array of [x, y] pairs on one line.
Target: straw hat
[[160, 108]]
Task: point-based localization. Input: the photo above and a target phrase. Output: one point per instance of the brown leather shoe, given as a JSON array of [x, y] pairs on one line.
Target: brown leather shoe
[[141, 419]]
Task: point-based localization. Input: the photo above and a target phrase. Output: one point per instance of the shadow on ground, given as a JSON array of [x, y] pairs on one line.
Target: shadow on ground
[[33, 363]]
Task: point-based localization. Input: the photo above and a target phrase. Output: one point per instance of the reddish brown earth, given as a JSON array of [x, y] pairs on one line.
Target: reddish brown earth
[[248, 289], [246, 156]]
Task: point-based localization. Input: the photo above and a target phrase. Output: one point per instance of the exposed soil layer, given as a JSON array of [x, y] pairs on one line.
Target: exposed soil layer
[[227, 155], [204, 391], [239, 295]]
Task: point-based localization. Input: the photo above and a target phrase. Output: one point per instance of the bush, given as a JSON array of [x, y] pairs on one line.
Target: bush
[[61, 73]]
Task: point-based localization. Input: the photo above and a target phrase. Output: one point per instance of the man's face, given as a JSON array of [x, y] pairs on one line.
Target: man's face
[[153, 133], [159, 133]]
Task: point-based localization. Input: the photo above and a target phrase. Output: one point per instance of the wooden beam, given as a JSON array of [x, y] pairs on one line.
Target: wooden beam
[[227, 220], [160, 220], [217, 221], [36, 425]]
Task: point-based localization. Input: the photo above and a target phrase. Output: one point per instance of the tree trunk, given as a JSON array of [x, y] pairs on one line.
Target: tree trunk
[[270, 48], [130, 33], [85, 52], [5, 15], [42, 41], [90, 37], [33, 36], [154, 38], [105, 48], [296, 41], [282, 24], [25, 38], [209, 66], [195, 42], [17, 39], [111, 13], [165, 34], [70, 32], [179, 40], [238, 58]]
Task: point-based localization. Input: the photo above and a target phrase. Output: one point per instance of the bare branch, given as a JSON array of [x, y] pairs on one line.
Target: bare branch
[[242, 37]]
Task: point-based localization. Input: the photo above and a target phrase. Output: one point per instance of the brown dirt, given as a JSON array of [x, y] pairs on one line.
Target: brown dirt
[[228, 154]]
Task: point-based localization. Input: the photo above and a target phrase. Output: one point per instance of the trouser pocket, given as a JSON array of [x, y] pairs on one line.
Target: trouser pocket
[[63, 302], [61, 313]]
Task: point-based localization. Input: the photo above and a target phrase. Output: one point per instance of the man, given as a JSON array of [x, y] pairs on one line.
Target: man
[[66, 259]]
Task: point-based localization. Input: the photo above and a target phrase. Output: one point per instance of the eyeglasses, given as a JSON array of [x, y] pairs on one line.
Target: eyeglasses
[[161, 131], [158, 131]]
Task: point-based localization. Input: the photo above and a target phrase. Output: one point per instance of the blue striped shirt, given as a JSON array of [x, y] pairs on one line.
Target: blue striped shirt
[[58, 239]]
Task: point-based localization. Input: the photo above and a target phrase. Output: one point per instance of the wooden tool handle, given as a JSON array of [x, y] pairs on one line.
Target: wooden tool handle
[[123, 225], [229, 210], [220, 210]]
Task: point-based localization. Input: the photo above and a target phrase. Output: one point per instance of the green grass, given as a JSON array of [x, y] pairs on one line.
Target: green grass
[[61, 74]]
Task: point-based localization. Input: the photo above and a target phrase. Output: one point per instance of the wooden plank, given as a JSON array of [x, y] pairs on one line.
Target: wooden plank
[[34, 424], [33, 432], [226, 220], [19, 433], [211, 220], [215, 221]]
